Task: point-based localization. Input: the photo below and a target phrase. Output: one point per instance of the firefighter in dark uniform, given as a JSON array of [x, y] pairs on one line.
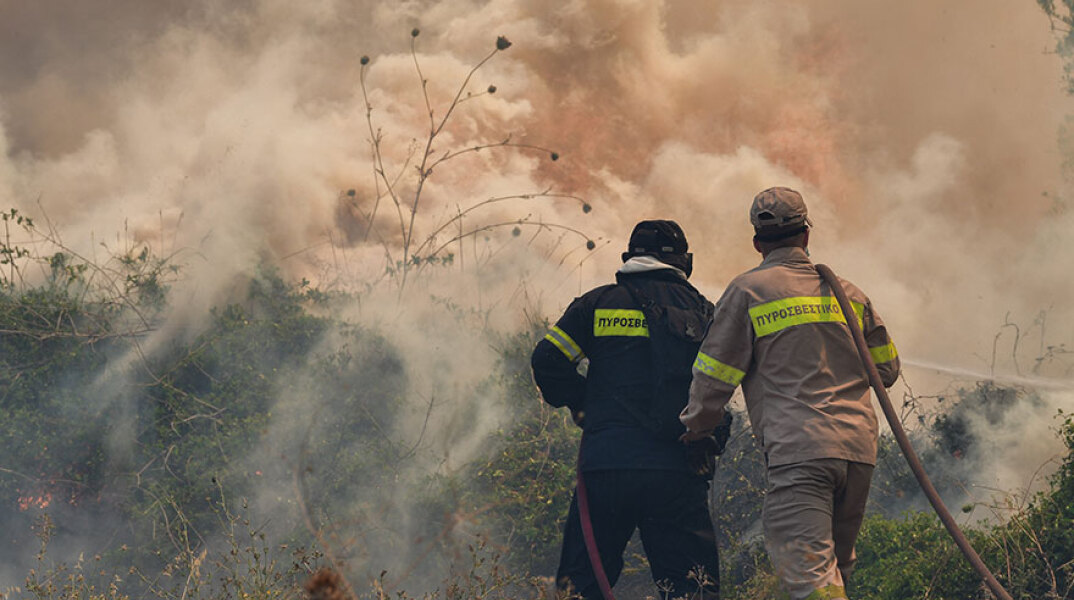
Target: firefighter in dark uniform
[[620, 358]]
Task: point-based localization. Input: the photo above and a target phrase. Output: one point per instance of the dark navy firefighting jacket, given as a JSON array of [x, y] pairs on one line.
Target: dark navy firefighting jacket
[[636, 342]]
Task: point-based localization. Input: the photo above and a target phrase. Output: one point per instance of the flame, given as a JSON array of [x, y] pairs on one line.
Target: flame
[[39, 501]]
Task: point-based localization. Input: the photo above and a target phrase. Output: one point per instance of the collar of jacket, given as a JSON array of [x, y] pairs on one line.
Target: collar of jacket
[[787, 255], [648, 264]]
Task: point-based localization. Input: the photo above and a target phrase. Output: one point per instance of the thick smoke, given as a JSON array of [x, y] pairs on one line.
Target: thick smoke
[[923, 136]]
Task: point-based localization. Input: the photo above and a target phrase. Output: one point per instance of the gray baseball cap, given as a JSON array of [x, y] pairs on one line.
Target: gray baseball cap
[[779, 212]]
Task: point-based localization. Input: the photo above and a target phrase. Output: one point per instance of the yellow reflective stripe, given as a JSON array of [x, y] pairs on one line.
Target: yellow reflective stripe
[[770, 317], [830, 592], [718, 370], [565, 344], [619, 321], [883, 354]]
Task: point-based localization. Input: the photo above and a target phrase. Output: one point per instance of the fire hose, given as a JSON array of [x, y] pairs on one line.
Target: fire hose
[[587, 533], [904, 441]]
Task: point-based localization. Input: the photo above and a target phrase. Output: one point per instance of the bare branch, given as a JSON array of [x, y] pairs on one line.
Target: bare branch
[[516, 223], [546, 193]]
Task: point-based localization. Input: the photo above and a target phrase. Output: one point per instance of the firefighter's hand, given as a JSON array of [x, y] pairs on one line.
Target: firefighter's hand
[[722, 432], [701, 455], [702, 449], [693, 436]]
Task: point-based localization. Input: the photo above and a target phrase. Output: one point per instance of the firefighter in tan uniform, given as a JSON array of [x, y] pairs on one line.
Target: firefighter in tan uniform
[[778, 331]]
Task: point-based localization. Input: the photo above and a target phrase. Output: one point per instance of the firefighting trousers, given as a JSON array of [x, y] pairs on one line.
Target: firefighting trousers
[[670, 510], [812, 514]]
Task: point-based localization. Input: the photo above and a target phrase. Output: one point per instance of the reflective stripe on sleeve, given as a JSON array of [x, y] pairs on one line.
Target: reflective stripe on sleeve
[[718, 370], [619, 322], [883, 354], [566, 345], [771, 317]]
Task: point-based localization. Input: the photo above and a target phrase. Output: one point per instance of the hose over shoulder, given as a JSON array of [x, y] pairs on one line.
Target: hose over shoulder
[[904, 441]]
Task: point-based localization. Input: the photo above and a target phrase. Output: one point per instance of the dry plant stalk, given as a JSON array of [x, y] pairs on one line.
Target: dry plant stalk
[[420, 249]]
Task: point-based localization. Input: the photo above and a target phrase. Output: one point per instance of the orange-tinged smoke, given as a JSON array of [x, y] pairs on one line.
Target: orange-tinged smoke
[[922, 134]]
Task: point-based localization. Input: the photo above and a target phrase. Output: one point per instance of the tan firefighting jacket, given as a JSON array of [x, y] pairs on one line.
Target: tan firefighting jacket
[[778, 332]]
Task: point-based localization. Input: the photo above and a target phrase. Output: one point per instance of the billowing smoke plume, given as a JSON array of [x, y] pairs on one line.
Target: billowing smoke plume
[[923, 136]]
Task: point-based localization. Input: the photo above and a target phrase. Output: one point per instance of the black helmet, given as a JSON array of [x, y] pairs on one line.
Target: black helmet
[[663, 240]]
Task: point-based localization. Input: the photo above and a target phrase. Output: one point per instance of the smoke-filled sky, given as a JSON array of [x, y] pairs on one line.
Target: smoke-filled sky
[[923, 135]]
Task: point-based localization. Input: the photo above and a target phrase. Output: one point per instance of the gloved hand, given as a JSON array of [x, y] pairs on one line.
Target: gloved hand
[[702, 453], [722, 433]]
